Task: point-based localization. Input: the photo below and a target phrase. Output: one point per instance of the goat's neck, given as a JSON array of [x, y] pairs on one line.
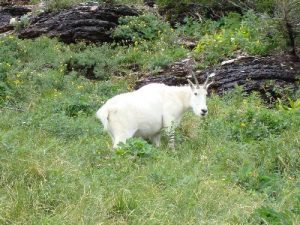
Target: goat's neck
[[184, 95]]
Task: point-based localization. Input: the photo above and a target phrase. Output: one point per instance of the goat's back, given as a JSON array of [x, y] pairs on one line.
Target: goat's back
[[140, 110]]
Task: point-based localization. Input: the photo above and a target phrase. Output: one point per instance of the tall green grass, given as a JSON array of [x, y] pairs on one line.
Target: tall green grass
[[57, 166], [238, 165]]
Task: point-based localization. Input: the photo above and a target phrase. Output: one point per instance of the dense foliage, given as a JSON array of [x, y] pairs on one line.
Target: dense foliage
[[61, 4], [259, 5], [234, 34], [238, 165]]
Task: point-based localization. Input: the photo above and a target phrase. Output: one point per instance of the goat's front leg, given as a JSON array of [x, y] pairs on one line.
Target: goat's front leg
[[170, 131], [171, 136]]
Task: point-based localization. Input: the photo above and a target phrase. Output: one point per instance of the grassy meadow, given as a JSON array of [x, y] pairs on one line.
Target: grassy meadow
[[238, 165]]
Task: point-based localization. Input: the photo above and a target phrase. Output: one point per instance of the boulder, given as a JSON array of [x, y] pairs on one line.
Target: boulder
[[87, 22]]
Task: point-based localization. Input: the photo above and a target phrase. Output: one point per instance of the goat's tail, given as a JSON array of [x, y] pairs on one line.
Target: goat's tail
[[103, 114]]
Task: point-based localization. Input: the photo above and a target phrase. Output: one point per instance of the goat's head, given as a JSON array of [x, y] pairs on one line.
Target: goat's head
[[198, 95]]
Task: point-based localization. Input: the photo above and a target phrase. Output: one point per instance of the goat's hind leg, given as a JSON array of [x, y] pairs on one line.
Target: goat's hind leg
[[119, 128], [121, 137]]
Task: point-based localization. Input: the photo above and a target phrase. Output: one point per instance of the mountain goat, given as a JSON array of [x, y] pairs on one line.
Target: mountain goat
[[150, 109]]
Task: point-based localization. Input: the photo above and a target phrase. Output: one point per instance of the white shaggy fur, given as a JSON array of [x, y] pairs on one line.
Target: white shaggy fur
[[150, 109]]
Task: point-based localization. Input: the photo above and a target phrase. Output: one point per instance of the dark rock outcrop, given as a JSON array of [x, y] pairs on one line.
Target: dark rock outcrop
[[17, 10], [149, 3], [8, 12], [4, 22], [262, 74], [14, 2], [88, 22]]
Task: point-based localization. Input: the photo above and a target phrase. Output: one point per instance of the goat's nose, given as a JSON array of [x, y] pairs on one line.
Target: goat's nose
[[204, 110]]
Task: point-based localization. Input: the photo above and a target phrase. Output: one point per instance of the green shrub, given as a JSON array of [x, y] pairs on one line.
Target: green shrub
[[152, 55], [48, 54], [292, 105], [95, 62], [23, 23], [143, 27], [252, 178], [250, 34], [196, 30], [270, 215], [256, 125], [258, 5], [9, 59], [265, 6], [136, 147]]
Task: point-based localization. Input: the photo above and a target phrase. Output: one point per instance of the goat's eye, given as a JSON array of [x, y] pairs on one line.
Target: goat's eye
[[195, 93]]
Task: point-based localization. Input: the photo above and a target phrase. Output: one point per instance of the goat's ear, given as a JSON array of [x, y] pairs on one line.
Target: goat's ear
[[191, 84]]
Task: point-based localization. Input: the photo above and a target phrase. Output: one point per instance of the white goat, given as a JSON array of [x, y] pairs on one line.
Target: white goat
[[150, 109]]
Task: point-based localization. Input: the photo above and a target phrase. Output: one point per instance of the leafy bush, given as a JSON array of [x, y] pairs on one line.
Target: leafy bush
[[292, 105], [143, 27], [153, 42], [249, 34], [152, 55], [23, 23], [255, 178], [196, 30], [265, 6], [253, 125], [18, 67], [9, 54], [137, 148], [259, 5], [95, 62], [270, 215]]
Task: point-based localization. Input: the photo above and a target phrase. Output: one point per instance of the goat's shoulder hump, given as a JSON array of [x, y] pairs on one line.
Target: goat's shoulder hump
[[153, 86]]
